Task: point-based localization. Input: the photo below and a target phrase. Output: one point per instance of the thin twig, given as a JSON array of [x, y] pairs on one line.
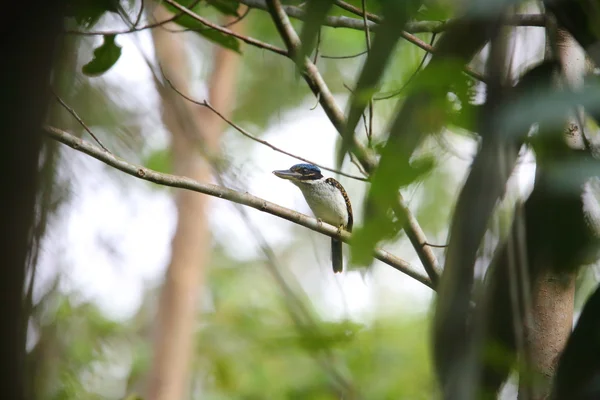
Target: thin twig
[[412, 76], [334, 21], [221, 192], [244, 132], [227, 25], [369, 131], [362, 53], [366, 157], [138, 18], [316, 57], [439, 246], [407, 36], [358, 165], [317, 103], [76, 116], [131, 29], [246, 39]]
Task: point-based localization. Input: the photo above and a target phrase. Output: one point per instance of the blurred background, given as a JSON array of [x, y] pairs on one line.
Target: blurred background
[[144, 290]]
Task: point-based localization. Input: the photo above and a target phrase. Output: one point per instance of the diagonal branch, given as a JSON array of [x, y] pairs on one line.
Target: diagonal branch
[[254, 138], [134, 27], [340, 21], [320, 89], [79, 120], [221, 192], [407, 36], [243, 38], [365, 157]]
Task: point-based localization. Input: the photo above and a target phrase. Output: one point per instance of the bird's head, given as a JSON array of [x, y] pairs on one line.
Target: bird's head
[[300, 173]]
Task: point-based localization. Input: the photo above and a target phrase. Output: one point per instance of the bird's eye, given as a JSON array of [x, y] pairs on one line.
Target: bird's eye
[[304, 170]]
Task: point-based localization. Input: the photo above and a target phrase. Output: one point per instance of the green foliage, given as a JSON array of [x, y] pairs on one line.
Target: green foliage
[[394, 14], [105, 56], [88, 12], [546, 105], [316, 11], [428, 111], [76, 340], [250, 348], [227, 7]]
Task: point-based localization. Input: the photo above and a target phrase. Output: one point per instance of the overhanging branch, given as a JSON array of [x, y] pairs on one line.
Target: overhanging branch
[[221, 192], [365, 157], [341, 21]]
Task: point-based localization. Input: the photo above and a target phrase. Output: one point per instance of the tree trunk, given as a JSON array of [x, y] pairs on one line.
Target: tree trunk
[[192, 128], [29, 36], [553, 286], [553, 296]]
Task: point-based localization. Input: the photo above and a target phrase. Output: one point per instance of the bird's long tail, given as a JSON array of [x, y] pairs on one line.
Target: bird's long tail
[[336, 255]]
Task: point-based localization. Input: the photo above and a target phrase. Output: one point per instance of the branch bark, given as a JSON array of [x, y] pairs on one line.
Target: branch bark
[[336, 116], [553, 290], [26, 75], [221, 192], [411, 27]]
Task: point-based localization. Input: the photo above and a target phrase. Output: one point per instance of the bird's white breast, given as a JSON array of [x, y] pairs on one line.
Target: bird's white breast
[[325, 201]]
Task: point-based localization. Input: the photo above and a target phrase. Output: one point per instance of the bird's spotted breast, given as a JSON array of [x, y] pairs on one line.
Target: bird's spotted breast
[[337, 185]]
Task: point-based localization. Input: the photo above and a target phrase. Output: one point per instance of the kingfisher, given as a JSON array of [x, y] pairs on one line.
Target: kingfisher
[[326, 198]]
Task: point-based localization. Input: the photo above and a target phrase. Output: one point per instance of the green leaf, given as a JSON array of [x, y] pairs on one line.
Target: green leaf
[[427, 110], [192, 24], [546, 105], [434, 11], [105, 57], [395, 16], [88, 12], [316, 11], [227, 7]]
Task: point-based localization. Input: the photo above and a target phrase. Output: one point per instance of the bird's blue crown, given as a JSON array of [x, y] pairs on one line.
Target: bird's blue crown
[[305, 167], [308, 172]]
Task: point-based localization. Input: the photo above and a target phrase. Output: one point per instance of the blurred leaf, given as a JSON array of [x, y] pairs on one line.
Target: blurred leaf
[[229, 42], [192, 24], [105, 57], [568, 176], [395, 16], [394, 172], [88, 12], [160, 160], [316, 11], [434, 11], [227, 7], [545, 104], [580, 18], [425, 111]]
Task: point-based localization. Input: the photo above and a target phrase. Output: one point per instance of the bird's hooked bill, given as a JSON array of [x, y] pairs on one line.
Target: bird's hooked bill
[[287, 174]]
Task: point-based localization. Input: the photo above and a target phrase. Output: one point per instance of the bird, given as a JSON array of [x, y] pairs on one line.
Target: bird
[[327, 199]]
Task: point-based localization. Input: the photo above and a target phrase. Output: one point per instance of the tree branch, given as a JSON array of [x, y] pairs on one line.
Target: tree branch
[[221, 192], [318, 86], [134, 27], [243, 38], [365, 157], [411, 27], [254, 138]]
